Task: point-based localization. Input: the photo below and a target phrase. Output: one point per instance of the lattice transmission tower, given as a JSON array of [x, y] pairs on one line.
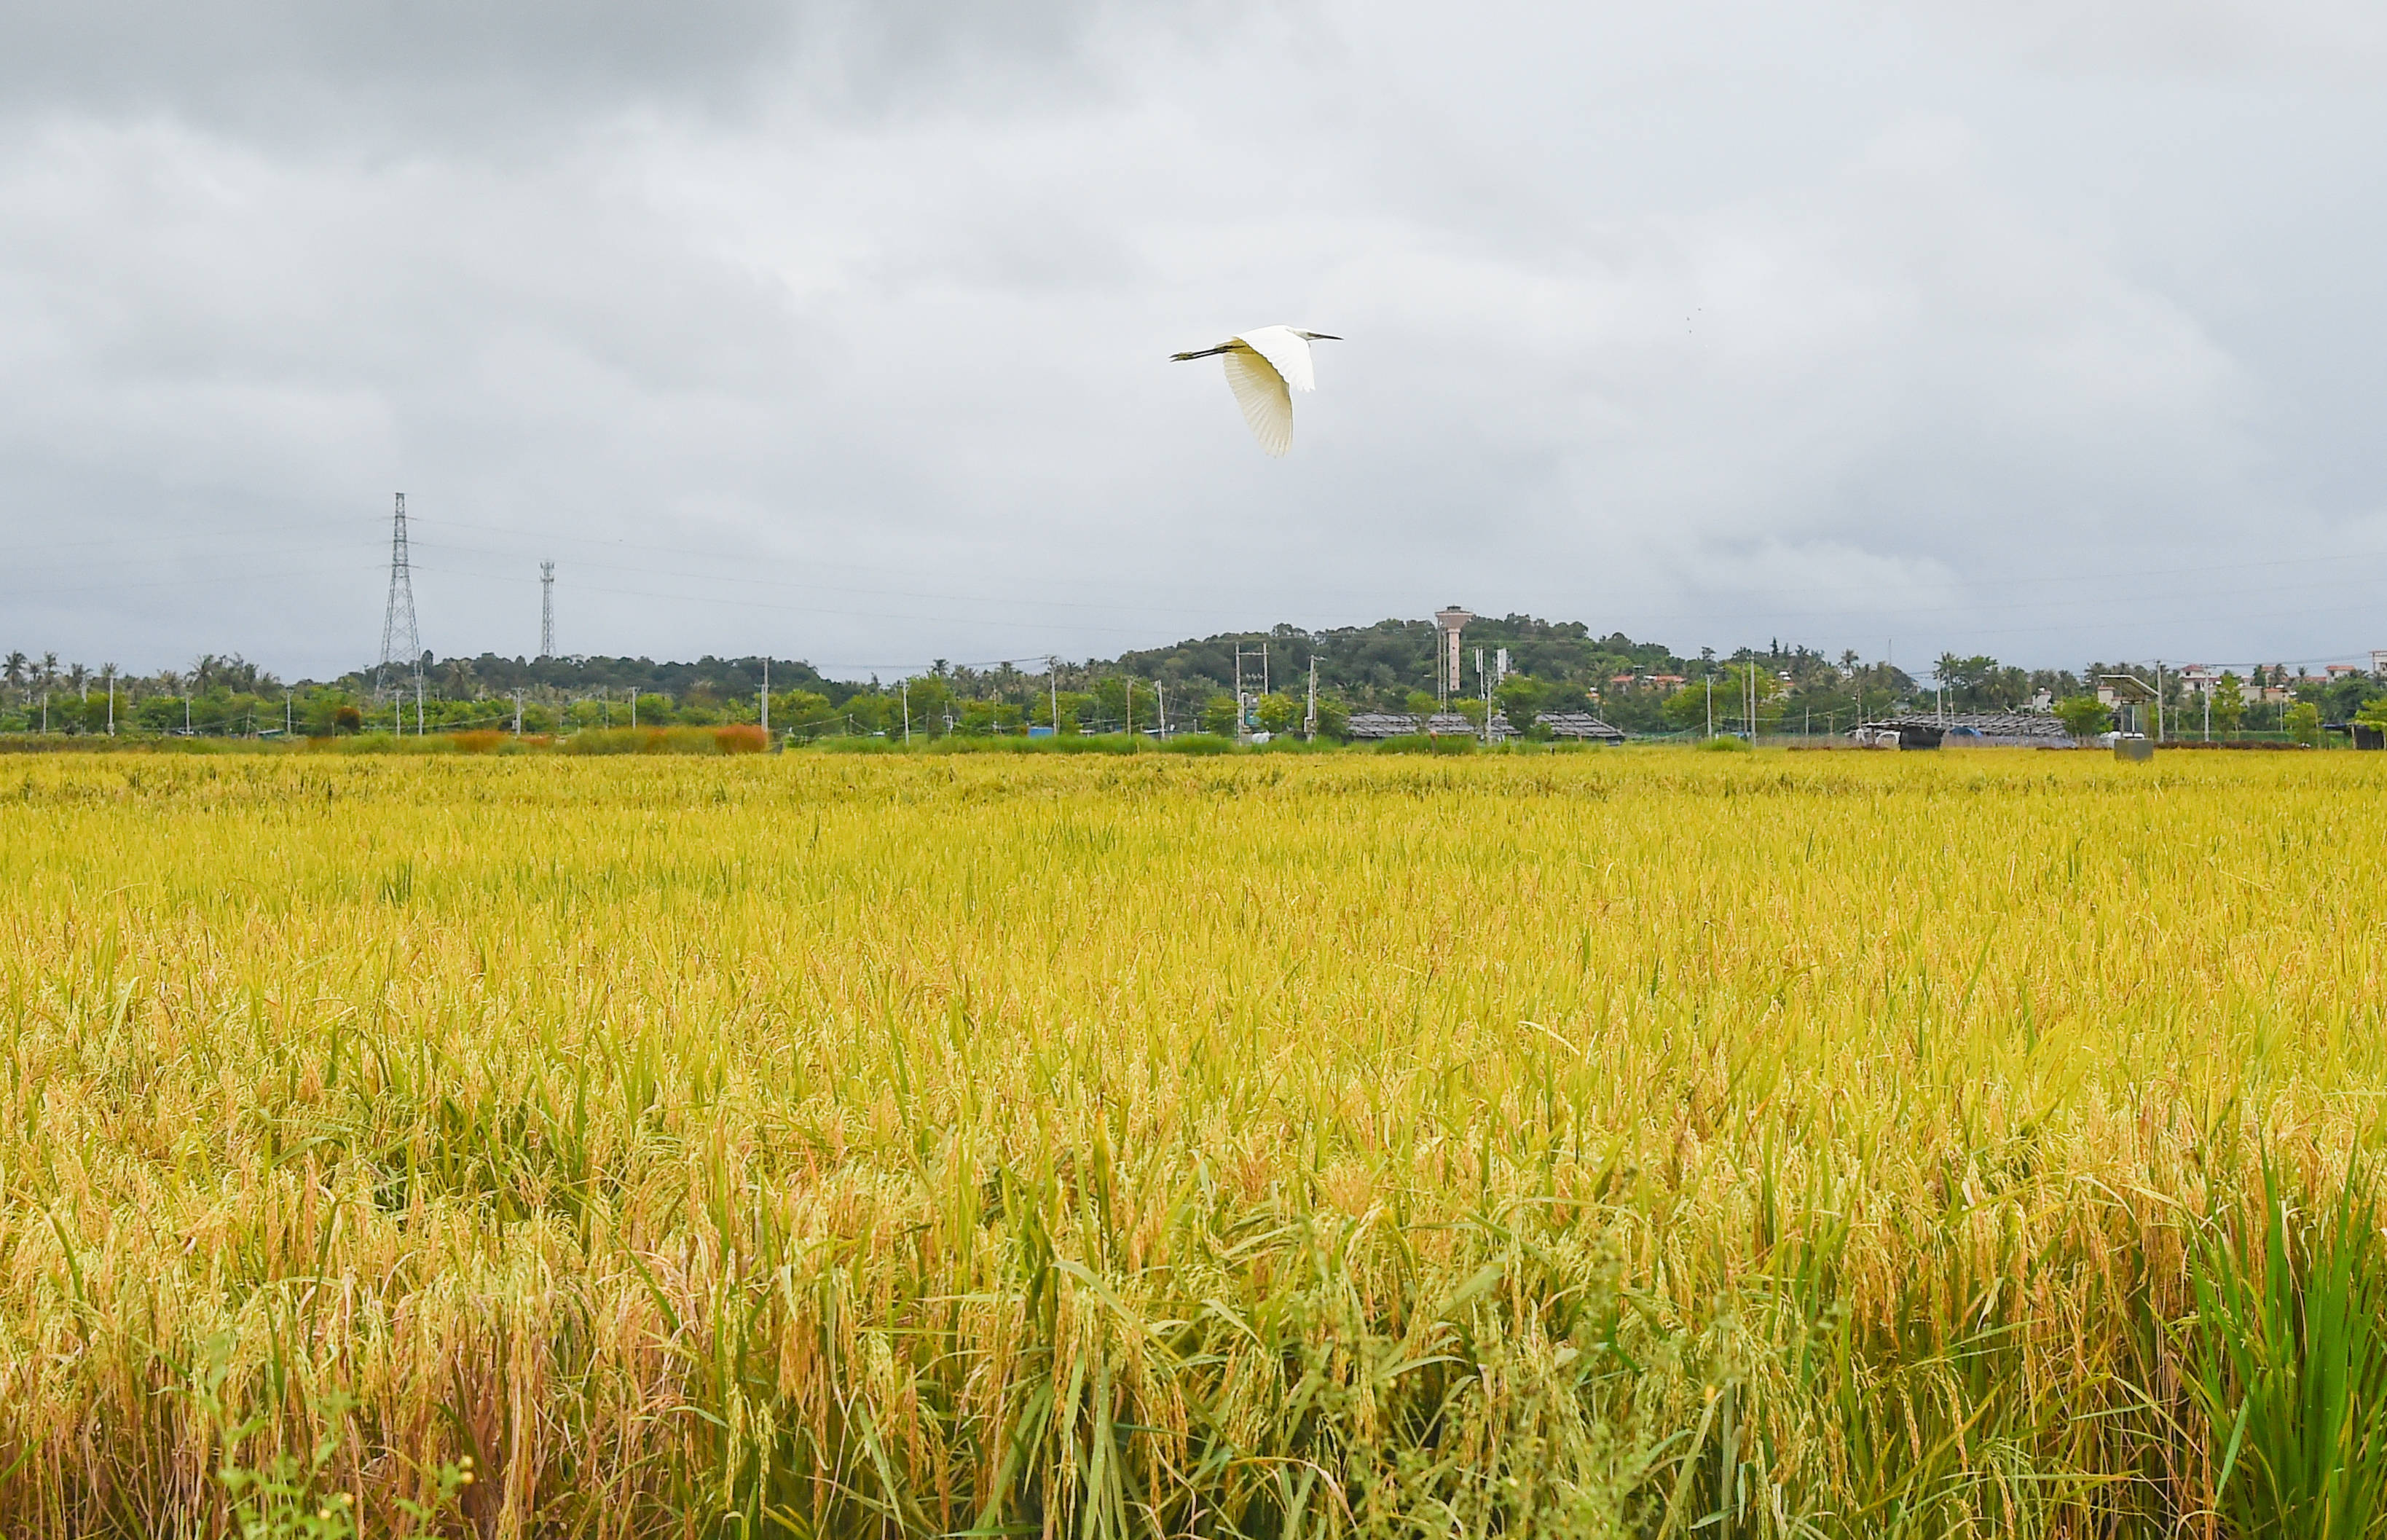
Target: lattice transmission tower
[[547, 608], [401, 648]]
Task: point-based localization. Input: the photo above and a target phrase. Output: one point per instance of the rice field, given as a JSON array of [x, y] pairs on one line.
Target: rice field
[[1649, 1144]]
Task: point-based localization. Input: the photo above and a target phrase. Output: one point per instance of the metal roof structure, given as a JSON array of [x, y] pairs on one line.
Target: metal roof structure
[[1579, 725], [2007, 730], [1382, 724]]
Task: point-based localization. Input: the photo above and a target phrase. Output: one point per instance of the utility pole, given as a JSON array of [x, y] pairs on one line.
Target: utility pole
[[518, 712], [1127, 698], [766, 696], [547, 608], [1053, 679], [285, 714], [1711, 682], [1160, 705], [111, 700], [907, 711], [1309, 721]]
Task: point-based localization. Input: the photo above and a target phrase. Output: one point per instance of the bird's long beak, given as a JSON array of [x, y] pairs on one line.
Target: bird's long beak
[[1322, 336]]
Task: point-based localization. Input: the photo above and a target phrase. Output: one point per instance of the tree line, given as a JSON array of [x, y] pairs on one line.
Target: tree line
[[1256, 679]]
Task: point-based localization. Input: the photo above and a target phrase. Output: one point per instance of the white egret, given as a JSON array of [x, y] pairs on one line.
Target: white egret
[[1264, 368]]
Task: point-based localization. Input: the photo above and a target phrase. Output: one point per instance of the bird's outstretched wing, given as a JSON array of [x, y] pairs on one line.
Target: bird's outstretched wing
[[1260, 391], [1287, 350]]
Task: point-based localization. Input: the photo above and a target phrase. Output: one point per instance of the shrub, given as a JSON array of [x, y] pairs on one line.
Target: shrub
[[1425, 743], [2083, 716], [667, 740]]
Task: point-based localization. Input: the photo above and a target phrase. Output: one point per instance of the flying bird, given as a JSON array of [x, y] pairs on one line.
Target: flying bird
[[1264, 368]]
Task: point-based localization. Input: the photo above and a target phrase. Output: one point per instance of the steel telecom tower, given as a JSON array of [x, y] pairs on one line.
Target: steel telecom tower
[[399, 645], [547, 608]]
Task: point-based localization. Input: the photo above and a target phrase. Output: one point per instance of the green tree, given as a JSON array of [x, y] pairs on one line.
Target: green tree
[[1218, 715], [2373, 712], [2304, 722], [698, 708], [2229, 703], [1688, 707], [868, 713], [1120, 703], [1519, 698], [2083, 716], [1747, 681], [982, 718], [318, 713], [1419, 703], [929, 700], [1075, 705], [805, 713], [1277, 713]]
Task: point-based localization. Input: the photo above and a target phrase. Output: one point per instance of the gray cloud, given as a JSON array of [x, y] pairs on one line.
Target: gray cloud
[[2340, 43], [465, 78], [842, 331]]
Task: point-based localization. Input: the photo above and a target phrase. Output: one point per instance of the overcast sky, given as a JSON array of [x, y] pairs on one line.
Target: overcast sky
[[2047, 330]]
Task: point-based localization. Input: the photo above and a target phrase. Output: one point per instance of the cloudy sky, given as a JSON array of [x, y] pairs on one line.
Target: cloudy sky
[[2048, 330]]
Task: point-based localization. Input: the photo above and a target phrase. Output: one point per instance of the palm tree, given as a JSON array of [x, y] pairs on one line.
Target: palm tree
[[15, 670], [79, 679]]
